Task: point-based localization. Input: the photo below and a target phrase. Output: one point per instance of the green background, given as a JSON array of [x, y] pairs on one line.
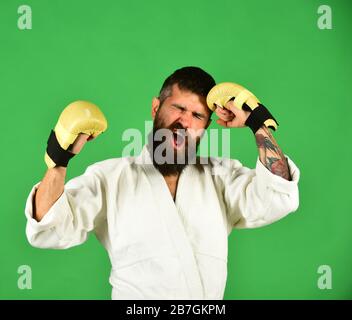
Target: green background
[[117, 54]]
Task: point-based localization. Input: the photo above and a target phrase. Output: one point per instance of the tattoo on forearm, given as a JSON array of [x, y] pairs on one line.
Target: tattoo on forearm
[[271, 155]]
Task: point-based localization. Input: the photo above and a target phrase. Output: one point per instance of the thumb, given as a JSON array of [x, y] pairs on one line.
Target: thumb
[[79, 143]]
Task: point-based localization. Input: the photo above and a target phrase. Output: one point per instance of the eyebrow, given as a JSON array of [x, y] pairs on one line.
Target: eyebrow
[[200, 114]]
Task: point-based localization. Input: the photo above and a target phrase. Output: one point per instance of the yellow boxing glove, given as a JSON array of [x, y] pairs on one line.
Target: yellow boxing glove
[[222, 93], [78, 117]]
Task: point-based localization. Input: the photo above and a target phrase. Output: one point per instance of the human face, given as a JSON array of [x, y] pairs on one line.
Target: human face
[[181, 119], [186, 107]]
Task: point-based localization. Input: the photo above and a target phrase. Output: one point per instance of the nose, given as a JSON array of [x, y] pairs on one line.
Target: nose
[[186, 119]]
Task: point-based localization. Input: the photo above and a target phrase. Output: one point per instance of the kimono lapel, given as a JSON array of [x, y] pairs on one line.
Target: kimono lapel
[[169, 213]]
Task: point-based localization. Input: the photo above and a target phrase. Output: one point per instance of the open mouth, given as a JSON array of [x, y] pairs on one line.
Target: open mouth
[[178, 139]]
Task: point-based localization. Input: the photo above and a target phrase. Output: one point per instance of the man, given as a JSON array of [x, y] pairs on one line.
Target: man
[[165, 223]]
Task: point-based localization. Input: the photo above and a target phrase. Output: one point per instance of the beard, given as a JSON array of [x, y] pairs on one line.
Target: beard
[[171, 147]]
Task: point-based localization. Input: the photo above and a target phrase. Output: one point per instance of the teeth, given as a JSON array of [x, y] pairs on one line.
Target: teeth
[[180, 132], [179, 138]]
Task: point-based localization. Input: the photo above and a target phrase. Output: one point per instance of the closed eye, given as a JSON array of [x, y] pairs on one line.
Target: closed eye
[[198, 115], [179, 107]]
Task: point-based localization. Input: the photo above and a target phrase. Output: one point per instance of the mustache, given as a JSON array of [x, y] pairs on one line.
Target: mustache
[[174, 129], [176, 126]]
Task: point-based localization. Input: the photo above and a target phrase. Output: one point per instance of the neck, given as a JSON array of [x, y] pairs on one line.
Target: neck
[[172, 177], [172, 181]]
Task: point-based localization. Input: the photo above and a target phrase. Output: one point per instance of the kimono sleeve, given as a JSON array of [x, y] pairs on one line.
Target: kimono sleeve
[[257, 197], [77, 212]]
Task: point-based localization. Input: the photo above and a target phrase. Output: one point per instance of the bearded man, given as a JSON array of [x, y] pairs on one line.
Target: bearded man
[[164, 216]]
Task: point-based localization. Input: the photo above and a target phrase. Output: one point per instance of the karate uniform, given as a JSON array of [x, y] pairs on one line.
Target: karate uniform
[[160, 248]]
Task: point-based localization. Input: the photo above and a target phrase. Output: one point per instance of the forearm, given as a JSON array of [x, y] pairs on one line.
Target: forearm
[[49, 190], [270, 153]]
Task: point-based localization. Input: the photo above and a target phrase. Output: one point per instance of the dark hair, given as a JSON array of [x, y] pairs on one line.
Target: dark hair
[[191, 79]]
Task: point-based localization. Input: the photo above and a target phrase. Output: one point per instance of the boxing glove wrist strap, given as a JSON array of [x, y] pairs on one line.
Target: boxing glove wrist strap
[[257, 117], [60, 156]]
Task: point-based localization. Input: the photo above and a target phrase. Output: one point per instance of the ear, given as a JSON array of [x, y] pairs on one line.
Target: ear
[[155, 106]]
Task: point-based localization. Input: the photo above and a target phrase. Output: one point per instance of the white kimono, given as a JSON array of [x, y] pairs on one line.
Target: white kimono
[[158, 248]]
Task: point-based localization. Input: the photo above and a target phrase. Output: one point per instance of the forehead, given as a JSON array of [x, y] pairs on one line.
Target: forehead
[[188, 99]]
